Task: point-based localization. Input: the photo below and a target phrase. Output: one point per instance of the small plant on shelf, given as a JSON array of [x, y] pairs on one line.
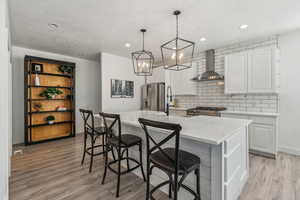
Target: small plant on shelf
[[37, 106], [65, 69], [50, 119], [50, 93]]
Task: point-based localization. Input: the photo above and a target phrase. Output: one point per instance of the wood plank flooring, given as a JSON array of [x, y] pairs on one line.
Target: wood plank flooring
[[52, 171]]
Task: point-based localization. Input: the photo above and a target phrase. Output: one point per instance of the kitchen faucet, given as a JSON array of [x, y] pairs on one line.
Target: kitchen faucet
[[169, 99]]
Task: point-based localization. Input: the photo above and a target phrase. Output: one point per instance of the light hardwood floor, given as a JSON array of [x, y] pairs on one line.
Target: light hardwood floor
[[52, 171]]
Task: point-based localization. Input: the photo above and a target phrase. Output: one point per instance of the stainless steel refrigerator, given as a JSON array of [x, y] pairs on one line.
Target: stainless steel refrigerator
[[153, 97]]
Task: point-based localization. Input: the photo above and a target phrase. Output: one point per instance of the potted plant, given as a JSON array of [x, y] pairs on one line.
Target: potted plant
[[50, 119], [50, 93], [65, 69]]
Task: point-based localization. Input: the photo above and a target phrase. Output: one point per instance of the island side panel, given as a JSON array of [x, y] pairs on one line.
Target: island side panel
[[202, 150], [230, 166], [217, 172]]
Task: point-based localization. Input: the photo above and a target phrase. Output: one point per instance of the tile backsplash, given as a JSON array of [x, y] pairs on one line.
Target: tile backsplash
[[212, 94]]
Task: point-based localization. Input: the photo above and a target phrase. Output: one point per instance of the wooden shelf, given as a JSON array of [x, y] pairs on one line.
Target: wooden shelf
[[52, 74], [36, 128], [49, 99], [49, 111], [46, 124], [33, 86]]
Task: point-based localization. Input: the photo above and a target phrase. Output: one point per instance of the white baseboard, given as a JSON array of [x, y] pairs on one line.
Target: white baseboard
[[289, 150]]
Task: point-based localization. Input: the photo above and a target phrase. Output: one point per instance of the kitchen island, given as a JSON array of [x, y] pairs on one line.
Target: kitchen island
[[221, 144]]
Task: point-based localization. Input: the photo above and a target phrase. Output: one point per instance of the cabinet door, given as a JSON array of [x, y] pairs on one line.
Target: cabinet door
[[236, 73], [261, 71], [262, 137]]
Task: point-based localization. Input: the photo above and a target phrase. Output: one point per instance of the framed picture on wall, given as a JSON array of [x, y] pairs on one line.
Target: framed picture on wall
[[36, 67], [116, 88], [128, 89], [122, 89]]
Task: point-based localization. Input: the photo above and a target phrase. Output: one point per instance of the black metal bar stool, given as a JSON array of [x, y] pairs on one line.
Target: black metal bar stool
[[173, 161], [121, 143], [94, 133]]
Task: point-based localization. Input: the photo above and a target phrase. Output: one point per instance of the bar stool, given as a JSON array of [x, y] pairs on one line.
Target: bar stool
[[94, 133], [173, 161], [121, 143]]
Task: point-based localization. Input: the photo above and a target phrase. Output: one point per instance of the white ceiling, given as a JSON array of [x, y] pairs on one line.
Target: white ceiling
[[87, 27]]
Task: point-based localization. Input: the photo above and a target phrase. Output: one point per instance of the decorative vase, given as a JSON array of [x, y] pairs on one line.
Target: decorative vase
[[50, 122], [52, 96], [37, 80]]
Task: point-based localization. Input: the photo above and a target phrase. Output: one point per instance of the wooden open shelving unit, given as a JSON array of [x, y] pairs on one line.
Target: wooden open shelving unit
[[37, 128]]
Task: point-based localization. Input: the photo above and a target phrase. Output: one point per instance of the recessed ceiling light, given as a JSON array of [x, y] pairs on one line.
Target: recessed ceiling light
[[127, 45], [243, 26], [53, 26], [202, 39]]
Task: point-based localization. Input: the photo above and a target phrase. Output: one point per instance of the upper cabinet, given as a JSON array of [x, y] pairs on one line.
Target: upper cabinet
[[236, 73], [261, 71], [181, 81], [252, 71]]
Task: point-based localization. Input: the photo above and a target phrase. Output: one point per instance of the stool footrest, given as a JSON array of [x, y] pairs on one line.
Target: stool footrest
[[89, 150], [126, 171]]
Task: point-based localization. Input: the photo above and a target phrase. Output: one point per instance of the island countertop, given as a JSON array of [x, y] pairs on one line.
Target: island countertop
[[206, 129]]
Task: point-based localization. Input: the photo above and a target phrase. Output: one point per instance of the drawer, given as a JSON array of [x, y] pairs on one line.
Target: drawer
[[232, 142], [263, 120], [232, 188], [232, 164]]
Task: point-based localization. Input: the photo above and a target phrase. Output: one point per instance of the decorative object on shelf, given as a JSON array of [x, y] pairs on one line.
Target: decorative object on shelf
[[177, 54], [61, 108], [37, 106], [50, 93], [122, 89], [50, 119], [65, 69], [68, 96], [37, 80], [143, 60], [36, 67]]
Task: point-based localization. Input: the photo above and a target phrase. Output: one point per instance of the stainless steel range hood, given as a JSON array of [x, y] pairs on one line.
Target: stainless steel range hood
[[209, 74]]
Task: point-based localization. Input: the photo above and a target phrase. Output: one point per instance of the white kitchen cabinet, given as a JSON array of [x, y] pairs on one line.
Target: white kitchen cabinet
[[262, 133], [181, 81], [252, 71], [261, 70], [236, 73], [261, 137]]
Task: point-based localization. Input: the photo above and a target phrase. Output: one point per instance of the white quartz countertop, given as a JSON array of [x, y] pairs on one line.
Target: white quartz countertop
[[211, 130], [250, 113]]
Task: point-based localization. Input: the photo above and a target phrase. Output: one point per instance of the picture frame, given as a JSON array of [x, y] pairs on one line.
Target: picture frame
[[122, 88], [36, 67]]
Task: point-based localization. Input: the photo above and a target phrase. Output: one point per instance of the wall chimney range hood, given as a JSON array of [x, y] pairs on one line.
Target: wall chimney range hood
[[209, 74]]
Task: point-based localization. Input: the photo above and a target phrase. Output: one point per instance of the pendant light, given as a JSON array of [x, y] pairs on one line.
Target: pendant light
[[177, 54], [142, 60]]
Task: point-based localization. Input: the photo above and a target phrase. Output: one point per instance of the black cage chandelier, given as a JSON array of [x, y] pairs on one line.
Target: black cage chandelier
[[177, 54], [142, 60]]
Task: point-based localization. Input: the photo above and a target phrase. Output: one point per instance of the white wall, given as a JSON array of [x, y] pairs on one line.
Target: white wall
[[116, 67], [289, 134], [87, 87], [5, 82]]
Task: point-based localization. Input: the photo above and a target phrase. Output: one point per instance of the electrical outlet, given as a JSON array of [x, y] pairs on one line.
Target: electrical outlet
[[19, 151]]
